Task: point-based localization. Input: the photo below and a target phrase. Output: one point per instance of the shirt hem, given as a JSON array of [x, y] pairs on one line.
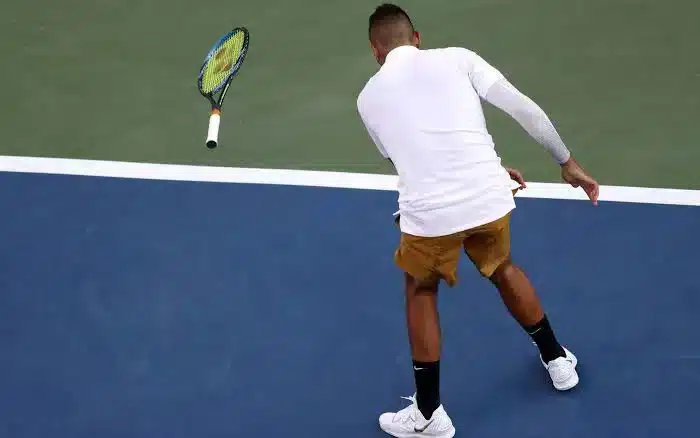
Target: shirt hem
[[488, 219]]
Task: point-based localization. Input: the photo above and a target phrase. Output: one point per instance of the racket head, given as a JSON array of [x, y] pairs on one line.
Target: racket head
[[223, 61]]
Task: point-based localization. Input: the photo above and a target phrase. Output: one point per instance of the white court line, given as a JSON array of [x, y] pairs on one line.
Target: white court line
[[175, 172]]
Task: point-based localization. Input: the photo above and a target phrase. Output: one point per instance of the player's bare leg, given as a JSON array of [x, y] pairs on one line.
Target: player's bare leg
[[423, 319], [425, 416], [522, 302], [519, 296]]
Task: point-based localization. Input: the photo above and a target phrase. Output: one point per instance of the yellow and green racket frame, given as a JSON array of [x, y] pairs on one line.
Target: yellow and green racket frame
[[222, 63]]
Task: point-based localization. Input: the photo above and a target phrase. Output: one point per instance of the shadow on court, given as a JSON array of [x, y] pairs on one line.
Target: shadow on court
[[159, 309]]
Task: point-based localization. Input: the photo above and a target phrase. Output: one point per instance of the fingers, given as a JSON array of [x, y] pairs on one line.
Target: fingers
[[593, 191], [517, 177], [576, 177]]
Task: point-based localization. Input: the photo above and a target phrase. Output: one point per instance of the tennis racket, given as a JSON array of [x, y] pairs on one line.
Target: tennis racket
[[222, 63]]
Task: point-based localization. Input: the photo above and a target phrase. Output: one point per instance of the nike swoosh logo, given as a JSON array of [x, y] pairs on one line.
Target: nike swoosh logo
[[422, 429], [418, 369]]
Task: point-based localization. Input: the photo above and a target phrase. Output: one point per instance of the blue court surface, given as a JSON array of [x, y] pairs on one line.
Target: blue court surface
[[148, 309]]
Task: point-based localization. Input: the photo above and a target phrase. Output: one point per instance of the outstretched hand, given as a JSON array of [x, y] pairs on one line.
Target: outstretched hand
[[573, 173]]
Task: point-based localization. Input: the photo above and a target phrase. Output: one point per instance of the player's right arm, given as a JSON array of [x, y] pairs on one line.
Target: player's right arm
[[493, 87], [503, 95]]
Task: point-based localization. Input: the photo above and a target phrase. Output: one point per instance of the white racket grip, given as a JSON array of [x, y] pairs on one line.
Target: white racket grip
[[213, 132]]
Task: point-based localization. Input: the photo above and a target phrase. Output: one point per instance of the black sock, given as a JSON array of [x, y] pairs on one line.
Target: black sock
[[427, 375], [543, 335]]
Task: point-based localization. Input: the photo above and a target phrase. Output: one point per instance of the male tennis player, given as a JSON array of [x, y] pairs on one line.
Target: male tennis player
[[423, 111]]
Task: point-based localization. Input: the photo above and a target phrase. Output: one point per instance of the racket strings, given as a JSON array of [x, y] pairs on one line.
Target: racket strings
[[222, 62]]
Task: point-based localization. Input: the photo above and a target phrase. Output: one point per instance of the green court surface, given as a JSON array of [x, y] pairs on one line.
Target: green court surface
[[115, 80]]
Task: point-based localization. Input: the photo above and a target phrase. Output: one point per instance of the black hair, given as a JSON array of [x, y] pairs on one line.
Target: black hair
[[389, 24]]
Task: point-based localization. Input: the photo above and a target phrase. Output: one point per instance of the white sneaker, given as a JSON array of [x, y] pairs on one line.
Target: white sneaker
[[562, 371], [410, 423]]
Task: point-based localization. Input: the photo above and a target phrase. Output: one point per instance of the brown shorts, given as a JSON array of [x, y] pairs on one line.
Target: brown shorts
[[435, 258]]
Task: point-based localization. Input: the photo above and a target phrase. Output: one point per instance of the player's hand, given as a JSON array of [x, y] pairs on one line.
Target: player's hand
[[516, 176], [573, 173]]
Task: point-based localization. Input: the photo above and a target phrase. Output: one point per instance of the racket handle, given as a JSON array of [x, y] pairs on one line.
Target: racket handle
[[213, 133]]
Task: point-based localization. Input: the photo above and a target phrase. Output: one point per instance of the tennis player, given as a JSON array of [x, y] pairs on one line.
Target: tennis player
[[423, 111]]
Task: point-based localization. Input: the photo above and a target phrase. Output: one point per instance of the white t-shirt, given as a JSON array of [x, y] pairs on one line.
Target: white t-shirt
[[423, 111]]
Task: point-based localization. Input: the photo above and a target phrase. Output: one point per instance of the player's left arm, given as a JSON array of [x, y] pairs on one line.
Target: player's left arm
[[377, 142], [373, 135], [516, 176]]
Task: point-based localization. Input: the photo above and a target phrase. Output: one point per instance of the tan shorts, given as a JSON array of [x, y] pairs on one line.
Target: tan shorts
[[435, 258]]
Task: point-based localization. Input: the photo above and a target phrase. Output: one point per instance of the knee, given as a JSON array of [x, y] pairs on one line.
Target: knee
[[504, 271], [415, 286]]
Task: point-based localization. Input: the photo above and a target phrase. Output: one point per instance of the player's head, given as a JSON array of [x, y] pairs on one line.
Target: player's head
[[390, 27]]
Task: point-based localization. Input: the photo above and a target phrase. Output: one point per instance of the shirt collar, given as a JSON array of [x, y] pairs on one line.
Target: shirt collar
[[397, 52]]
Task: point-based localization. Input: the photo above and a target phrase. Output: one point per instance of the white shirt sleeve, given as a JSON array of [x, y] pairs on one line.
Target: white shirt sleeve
[[503, 95], [493, 87], [371, 133], [481, 74]]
